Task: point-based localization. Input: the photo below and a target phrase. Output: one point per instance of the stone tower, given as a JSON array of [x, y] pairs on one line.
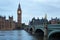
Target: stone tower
[[19, 13]]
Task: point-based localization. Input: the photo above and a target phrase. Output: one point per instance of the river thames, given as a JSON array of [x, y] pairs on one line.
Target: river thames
[[18, 35]]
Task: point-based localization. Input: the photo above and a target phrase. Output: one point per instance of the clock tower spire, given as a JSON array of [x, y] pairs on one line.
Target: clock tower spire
[[19, 12], [19, 7]]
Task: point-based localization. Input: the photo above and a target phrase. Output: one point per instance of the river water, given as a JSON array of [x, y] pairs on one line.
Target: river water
[[17, 35]]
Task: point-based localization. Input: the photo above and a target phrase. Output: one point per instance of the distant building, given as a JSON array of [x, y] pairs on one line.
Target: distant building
[[10, 24], [44, 20], [38, 21], [54, 21]]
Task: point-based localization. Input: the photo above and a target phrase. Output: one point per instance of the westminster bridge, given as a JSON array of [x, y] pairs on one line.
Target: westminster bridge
[[53, 30]]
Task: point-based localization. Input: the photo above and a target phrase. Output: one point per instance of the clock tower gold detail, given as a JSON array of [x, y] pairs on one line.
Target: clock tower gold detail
[[18, 12]]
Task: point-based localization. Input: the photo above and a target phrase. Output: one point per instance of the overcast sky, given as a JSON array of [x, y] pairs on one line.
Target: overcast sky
[[30, 9]]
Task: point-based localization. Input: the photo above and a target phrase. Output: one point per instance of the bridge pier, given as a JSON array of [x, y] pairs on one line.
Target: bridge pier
[[33, 32], [45, 32]]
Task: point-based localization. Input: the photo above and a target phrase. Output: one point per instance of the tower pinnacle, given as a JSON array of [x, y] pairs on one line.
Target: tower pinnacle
[[19, 7]]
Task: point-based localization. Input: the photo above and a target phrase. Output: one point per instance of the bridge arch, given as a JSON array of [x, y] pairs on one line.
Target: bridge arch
[[39, 32], [31, 29], [54, 35]]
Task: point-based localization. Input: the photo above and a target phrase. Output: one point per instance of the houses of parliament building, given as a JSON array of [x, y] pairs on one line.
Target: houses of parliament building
[[10, 24]]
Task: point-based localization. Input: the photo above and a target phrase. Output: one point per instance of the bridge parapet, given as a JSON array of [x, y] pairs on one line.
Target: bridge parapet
[[54, 27]]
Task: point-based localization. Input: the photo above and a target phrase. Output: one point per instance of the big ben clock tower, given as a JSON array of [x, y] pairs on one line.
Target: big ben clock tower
[[19, 12]]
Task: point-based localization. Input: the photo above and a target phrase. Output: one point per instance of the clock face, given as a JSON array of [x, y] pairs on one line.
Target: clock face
[[19, 12]]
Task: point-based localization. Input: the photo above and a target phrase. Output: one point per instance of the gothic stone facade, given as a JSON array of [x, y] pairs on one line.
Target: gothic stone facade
[[6, 24]]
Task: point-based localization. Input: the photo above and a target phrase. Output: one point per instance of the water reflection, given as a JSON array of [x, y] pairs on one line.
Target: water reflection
[[16, 35]]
